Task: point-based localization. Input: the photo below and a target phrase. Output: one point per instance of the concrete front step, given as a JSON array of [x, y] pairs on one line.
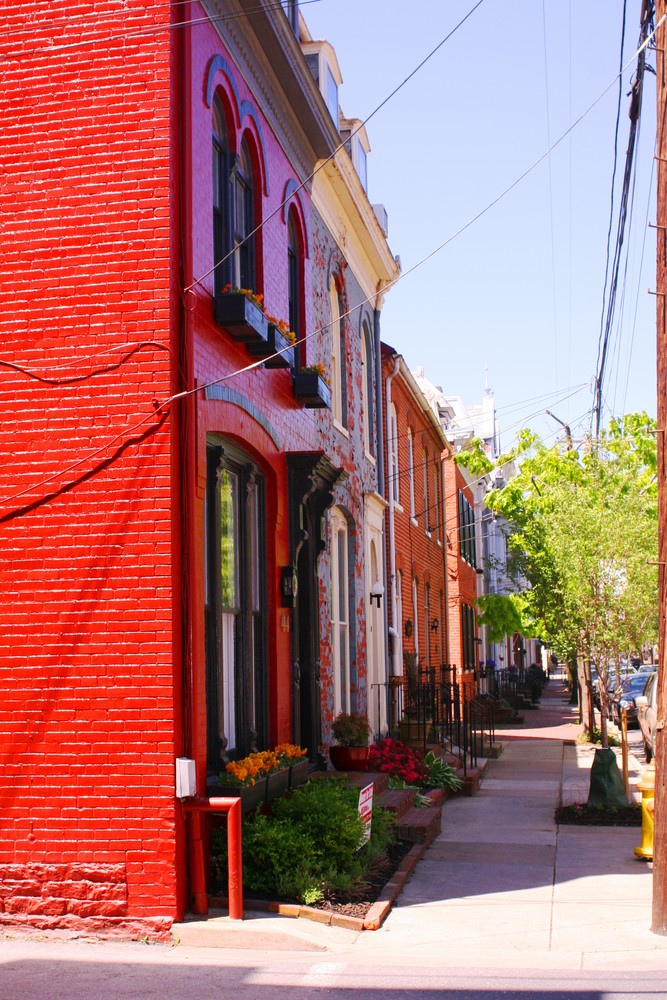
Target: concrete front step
[[420, 826]]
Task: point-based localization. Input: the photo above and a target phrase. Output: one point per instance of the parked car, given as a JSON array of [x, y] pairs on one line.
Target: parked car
[[647, 705], [631, 688], [647, 668], [613, 673]]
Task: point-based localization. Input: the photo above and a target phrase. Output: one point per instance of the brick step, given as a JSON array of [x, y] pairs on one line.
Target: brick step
[[398, 801], [420, 826]]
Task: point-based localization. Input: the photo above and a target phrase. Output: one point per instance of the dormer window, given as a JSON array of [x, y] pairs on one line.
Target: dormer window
[[353, 134], [331, 95], [323, 65], [360, 162]]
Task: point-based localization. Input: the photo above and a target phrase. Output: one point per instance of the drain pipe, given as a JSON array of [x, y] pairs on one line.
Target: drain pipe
[[396, 672]]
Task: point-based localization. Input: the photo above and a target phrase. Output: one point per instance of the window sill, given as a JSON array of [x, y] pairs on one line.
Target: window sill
[[413, 520], [342, 430]]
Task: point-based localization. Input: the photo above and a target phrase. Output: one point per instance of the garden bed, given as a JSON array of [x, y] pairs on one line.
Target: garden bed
[[579, 814]]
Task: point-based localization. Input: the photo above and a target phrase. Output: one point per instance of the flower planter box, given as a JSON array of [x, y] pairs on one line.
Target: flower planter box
[[298, 773], [242, 319], [277, 784], [276, 341], [312, 390], [251, 796]]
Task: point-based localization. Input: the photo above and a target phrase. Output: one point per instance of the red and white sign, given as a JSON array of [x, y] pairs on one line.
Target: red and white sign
[[366, 809]]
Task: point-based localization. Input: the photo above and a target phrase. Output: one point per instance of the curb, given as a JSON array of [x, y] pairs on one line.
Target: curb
[[371, 922]]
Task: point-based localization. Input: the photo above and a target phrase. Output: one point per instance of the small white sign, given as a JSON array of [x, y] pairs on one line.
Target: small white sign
[[366, 809]]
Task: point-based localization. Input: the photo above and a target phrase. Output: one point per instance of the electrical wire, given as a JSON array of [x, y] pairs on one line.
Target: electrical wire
[[635, 115], [139, 32], [328, 159]]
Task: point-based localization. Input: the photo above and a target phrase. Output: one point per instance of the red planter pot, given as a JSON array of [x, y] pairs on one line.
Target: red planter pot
[[349, 758]]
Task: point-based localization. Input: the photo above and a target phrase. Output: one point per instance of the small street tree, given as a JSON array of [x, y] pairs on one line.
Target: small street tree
[[584, 541]]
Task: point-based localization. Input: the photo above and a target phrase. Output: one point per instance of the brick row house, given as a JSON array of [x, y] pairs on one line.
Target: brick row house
[[418, 576], [192, 518]]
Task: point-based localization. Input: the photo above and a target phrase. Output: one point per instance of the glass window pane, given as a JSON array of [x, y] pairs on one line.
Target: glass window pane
[[228, 489]]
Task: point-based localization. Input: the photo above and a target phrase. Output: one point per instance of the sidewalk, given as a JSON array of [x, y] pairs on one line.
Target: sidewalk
[[502, 886]]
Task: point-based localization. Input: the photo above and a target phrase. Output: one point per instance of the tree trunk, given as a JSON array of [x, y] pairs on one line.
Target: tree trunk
[[586, 713]]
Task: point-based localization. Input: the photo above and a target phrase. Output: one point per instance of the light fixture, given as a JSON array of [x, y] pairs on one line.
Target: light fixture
[[408, 627], [435, 625], [377, 590]]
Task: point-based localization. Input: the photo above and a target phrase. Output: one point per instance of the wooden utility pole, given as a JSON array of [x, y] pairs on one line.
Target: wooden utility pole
[[659, 916]]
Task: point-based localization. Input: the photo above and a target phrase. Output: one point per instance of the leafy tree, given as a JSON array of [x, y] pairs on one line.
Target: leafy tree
[[583, 543]]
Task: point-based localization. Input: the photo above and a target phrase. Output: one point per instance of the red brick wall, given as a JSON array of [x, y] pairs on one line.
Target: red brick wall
[[418, 555], [88, 671], [462, 576]]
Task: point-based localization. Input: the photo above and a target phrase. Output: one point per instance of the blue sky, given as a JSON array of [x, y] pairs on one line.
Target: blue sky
[[519, 292]]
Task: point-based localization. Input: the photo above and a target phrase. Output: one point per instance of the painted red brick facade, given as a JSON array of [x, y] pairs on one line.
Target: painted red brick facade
[[118, 389]]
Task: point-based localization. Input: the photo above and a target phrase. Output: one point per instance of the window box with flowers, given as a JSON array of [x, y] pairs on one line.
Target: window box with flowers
[[278, 348], [241, 312], [296, 759], [258, 778], [312, 387]]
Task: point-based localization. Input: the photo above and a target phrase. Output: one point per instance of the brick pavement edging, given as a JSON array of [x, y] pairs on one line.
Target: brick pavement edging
[[371, 922]]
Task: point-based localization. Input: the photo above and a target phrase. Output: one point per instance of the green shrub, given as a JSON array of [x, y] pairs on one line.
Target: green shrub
[[439, 774], [309, 846]]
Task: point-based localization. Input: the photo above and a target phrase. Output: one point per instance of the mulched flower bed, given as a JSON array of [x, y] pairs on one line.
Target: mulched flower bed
[[355, 903], [578, 814], [358, 901]]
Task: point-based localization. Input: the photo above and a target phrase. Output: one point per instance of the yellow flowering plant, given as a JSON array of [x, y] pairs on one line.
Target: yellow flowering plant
[[289, 753], [255, 766], [255, 297], [316, 369], [288, 334]]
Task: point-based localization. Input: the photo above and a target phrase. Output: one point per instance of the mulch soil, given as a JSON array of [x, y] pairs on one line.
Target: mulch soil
[[583, 815]]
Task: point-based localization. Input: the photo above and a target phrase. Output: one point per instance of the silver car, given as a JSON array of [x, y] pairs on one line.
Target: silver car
[[647, 713]]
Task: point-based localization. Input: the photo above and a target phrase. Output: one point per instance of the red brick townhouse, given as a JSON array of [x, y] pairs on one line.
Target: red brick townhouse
[[418, 581], [166, 465]]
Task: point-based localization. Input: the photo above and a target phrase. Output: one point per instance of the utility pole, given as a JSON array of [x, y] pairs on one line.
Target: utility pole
[[659, 915]]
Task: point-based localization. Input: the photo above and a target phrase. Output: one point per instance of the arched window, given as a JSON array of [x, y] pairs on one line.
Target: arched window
[[221, 206], [340, 610], [394, 478], [243, 270], [294, 286], [367, 384], [338, 360]]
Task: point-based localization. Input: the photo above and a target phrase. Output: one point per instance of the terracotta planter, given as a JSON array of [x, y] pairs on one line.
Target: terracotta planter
[[414, 732], [349, 758]]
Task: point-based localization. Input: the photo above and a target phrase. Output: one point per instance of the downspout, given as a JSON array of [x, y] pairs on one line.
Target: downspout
[[187, 419], [396, 667], [445, 556], [379, 451]]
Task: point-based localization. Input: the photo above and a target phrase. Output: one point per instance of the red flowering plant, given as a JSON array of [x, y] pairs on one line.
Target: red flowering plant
[[398, 761]]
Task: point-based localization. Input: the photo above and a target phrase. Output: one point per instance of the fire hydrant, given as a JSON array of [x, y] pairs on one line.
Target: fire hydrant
[[647, 788]]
